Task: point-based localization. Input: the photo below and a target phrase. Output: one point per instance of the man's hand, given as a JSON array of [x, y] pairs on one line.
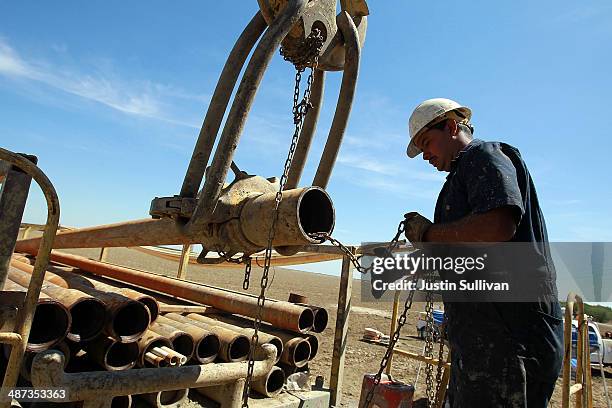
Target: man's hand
[[416, 226]]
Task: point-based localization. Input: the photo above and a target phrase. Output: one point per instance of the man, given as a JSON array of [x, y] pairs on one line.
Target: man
[[503, 354]]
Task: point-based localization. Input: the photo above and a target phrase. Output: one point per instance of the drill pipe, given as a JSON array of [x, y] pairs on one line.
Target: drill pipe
[[280, 314], [67, 277], [182, 342], [303, 211], [126, 320], [272, 384], [234, 346], [86, 312], [297, 349], [206, 343], [264, 338], [147, 342], [51, 320], [111, 354], [166, 399]]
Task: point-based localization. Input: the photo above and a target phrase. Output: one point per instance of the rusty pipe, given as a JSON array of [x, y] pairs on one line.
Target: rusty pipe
[[246, 329], [207, 343], [87, 314], [280, 314], [295, 352], [307, 210], [126, 319], [26, 313], [47, 371], [50, 324], [307, 132], [271, 384], [166, 399], [345, 100], [111, 354], [233, 346], [239, 111], [68, 278], [182, 342], [301, 212], [147, 342], [218, 105]]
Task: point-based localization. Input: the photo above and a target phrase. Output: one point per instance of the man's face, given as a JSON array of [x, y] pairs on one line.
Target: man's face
[[437, 147]]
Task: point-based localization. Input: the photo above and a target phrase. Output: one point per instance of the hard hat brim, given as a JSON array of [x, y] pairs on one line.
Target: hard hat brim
[[412, 151]]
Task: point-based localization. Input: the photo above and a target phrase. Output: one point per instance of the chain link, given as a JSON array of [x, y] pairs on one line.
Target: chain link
[[300, 109], [247, 274], [429, 340]]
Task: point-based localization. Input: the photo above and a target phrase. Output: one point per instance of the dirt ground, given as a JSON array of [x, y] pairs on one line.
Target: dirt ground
[[322, 290]]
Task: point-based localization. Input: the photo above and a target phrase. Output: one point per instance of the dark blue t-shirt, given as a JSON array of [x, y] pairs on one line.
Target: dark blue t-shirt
[[483, 177]]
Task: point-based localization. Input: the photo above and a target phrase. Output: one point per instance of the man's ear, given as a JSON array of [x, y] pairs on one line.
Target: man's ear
[[453, 127]]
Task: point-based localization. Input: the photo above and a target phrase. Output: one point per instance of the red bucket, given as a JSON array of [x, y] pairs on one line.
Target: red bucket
[[388, 394]]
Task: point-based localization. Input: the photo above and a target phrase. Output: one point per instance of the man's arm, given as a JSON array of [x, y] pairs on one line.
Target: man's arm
[[496, 225]]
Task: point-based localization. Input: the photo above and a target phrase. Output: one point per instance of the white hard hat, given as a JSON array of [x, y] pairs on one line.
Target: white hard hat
[[431, 112]]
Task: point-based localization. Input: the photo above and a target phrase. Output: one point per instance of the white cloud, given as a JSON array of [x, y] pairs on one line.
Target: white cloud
[[139, 98]]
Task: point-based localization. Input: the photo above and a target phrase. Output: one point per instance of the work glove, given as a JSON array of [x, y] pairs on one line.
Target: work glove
[[415, 227]]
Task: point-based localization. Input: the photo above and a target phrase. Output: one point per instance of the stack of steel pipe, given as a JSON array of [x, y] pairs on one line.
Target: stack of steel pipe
[[173, 338]]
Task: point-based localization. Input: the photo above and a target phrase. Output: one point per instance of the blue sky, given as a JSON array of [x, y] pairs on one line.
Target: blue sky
[[110, 96]]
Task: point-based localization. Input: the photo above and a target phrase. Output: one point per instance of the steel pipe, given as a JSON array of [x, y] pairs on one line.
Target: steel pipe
[[218, 105], [345, 100], [240, 221], [271, 384], [146, 343], [111, 354], [182, 342], [239, 111], [25, 316], [87, 314], [233, 346], [166, 399], [226, 395], [280, 314], [47, 371], [246, 329], [50, 324], [68, 278], [295, 351], [307, 132], [207, 343], [126, 319], [122, 401]]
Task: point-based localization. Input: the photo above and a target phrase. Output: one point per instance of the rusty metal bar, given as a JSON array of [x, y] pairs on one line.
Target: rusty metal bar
[[218, 104], [47, 371], [13, 196], [87, 312], [239, 111], [307, 132], [396, 299], [341, 333], [183, 261], [280, 314], [345, 100], [25, 315]]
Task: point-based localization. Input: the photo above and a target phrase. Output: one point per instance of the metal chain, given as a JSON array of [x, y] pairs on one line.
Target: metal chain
[[355, 260], [429, 340], [300, 109], [247, 274]]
